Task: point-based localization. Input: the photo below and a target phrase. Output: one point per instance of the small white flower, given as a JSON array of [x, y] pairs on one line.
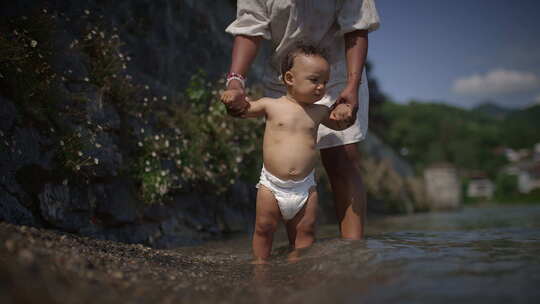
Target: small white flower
[[164, 97], [142, 130], [98, 145], [154, 154], [80, 153], [140, 144], [52, 130], [147, 163], [96, 161], [145, 99], [146, 87], [33, 43], [86, 79], [238, 159], [167, 143], [178, 162], [163, 173], [87, 12], [162, 189], [156, 137], [77, 167], [62, 143]]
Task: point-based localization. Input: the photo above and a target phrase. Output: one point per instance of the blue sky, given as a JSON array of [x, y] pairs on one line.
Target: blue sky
[[460, 52]]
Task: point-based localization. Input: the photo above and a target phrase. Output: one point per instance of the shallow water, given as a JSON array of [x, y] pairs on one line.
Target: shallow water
[[474, 255]]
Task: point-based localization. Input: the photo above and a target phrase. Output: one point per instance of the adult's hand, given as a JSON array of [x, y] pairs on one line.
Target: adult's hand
[[235, 102], [349, 97]]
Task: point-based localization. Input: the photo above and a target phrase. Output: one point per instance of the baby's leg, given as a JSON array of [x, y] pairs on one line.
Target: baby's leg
[[301, 228], [266, 220]]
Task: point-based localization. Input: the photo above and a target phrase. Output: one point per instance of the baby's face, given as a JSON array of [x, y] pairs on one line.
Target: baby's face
[[308, 79]]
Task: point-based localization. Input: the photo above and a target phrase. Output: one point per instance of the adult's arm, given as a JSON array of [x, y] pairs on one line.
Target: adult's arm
[[356, 19], [356, 46], [245, 50]]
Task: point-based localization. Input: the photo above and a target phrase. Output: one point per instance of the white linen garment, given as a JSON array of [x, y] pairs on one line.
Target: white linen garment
[[322, 22]]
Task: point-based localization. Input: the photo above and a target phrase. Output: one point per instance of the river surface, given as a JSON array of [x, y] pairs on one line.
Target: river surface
[[476, 255]]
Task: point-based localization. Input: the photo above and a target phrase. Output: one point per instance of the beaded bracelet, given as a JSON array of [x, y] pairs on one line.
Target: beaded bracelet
[[236, 76]]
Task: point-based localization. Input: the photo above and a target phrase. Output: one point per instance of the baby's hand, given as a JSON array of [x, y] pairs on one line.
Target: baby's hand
[[341, 113], [229, 96]]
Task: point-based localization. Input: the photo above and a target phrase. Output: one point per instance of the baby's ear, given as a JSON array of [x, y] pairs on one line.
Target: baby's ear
[[288, 78]]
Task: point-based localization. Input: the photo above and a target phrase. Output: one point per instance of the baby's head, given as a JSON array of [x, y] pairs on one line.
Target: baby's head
[[305, 71]]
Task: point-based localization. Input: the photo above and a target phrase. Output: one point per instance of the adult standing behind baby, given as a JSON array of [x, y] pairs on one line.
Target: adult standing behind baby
[[341, 27]]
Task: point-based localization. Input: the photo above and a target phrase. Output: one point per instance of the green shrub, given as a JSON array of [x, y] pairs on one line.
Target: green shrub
[[209, 149], [506, 186]]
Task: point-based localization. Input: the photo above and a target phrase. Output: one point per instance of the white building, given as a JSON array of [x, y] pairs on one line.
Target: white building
[[480, 188], [442, 186], [528, 175]]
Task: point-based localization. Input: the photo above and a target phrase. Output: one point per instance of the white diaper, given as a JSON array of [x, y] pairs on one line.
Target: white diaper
[[291, 195]]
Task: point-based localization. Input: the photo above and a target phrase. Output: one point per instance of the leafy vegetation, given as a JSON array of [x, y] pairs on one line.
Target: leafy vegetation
[[425, 133], [181, 141]]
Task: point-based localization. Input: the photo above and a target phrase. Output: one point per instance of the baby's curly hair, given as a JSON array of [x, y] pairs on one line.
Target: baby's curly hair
[[301, 48]]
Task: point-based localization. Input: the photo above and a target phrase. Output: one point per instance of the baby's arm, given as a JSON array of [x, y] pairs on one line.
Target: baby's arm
[[256, 108], [333, 119]]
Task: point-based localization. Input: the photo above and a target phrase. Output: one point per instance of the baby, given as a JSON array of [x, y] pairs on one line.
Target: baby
[[287, 188]]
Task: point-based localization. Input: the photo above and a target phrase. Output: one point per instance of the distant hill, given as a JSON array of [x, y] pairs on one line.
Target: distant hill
[[434, 132], [521, 128], [492, 110]]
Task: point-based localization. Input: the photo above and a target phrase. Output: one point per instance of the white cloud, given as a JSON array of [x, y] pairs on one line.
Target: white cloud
[[498, 81]]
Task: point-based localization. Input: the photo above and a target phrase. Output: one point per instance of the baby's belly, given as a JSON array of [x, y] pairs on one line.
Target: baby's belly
[[290, 158]]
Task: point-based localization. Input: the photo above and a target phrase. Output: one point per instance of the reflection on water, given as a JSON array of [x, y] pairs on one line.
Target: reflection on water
[[476, 255]]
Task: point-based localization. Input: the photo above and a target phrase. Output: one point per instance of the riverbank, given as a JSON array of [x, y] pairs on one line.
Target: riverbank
[[44, 266]]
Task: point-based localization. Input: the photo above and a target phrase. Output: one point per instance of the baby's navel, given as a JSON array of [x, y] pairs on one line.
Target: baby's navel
[[293, 171]]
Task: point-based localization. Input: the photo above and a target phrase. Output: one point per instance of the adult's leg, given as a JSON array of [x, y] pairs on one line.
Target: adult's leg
[[301, 228], [267, 217], [342, 165]]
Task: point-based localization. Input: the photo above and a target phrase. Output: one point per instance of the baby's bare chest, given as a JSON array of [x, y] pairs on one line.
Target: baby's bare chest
[[294, 120]]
